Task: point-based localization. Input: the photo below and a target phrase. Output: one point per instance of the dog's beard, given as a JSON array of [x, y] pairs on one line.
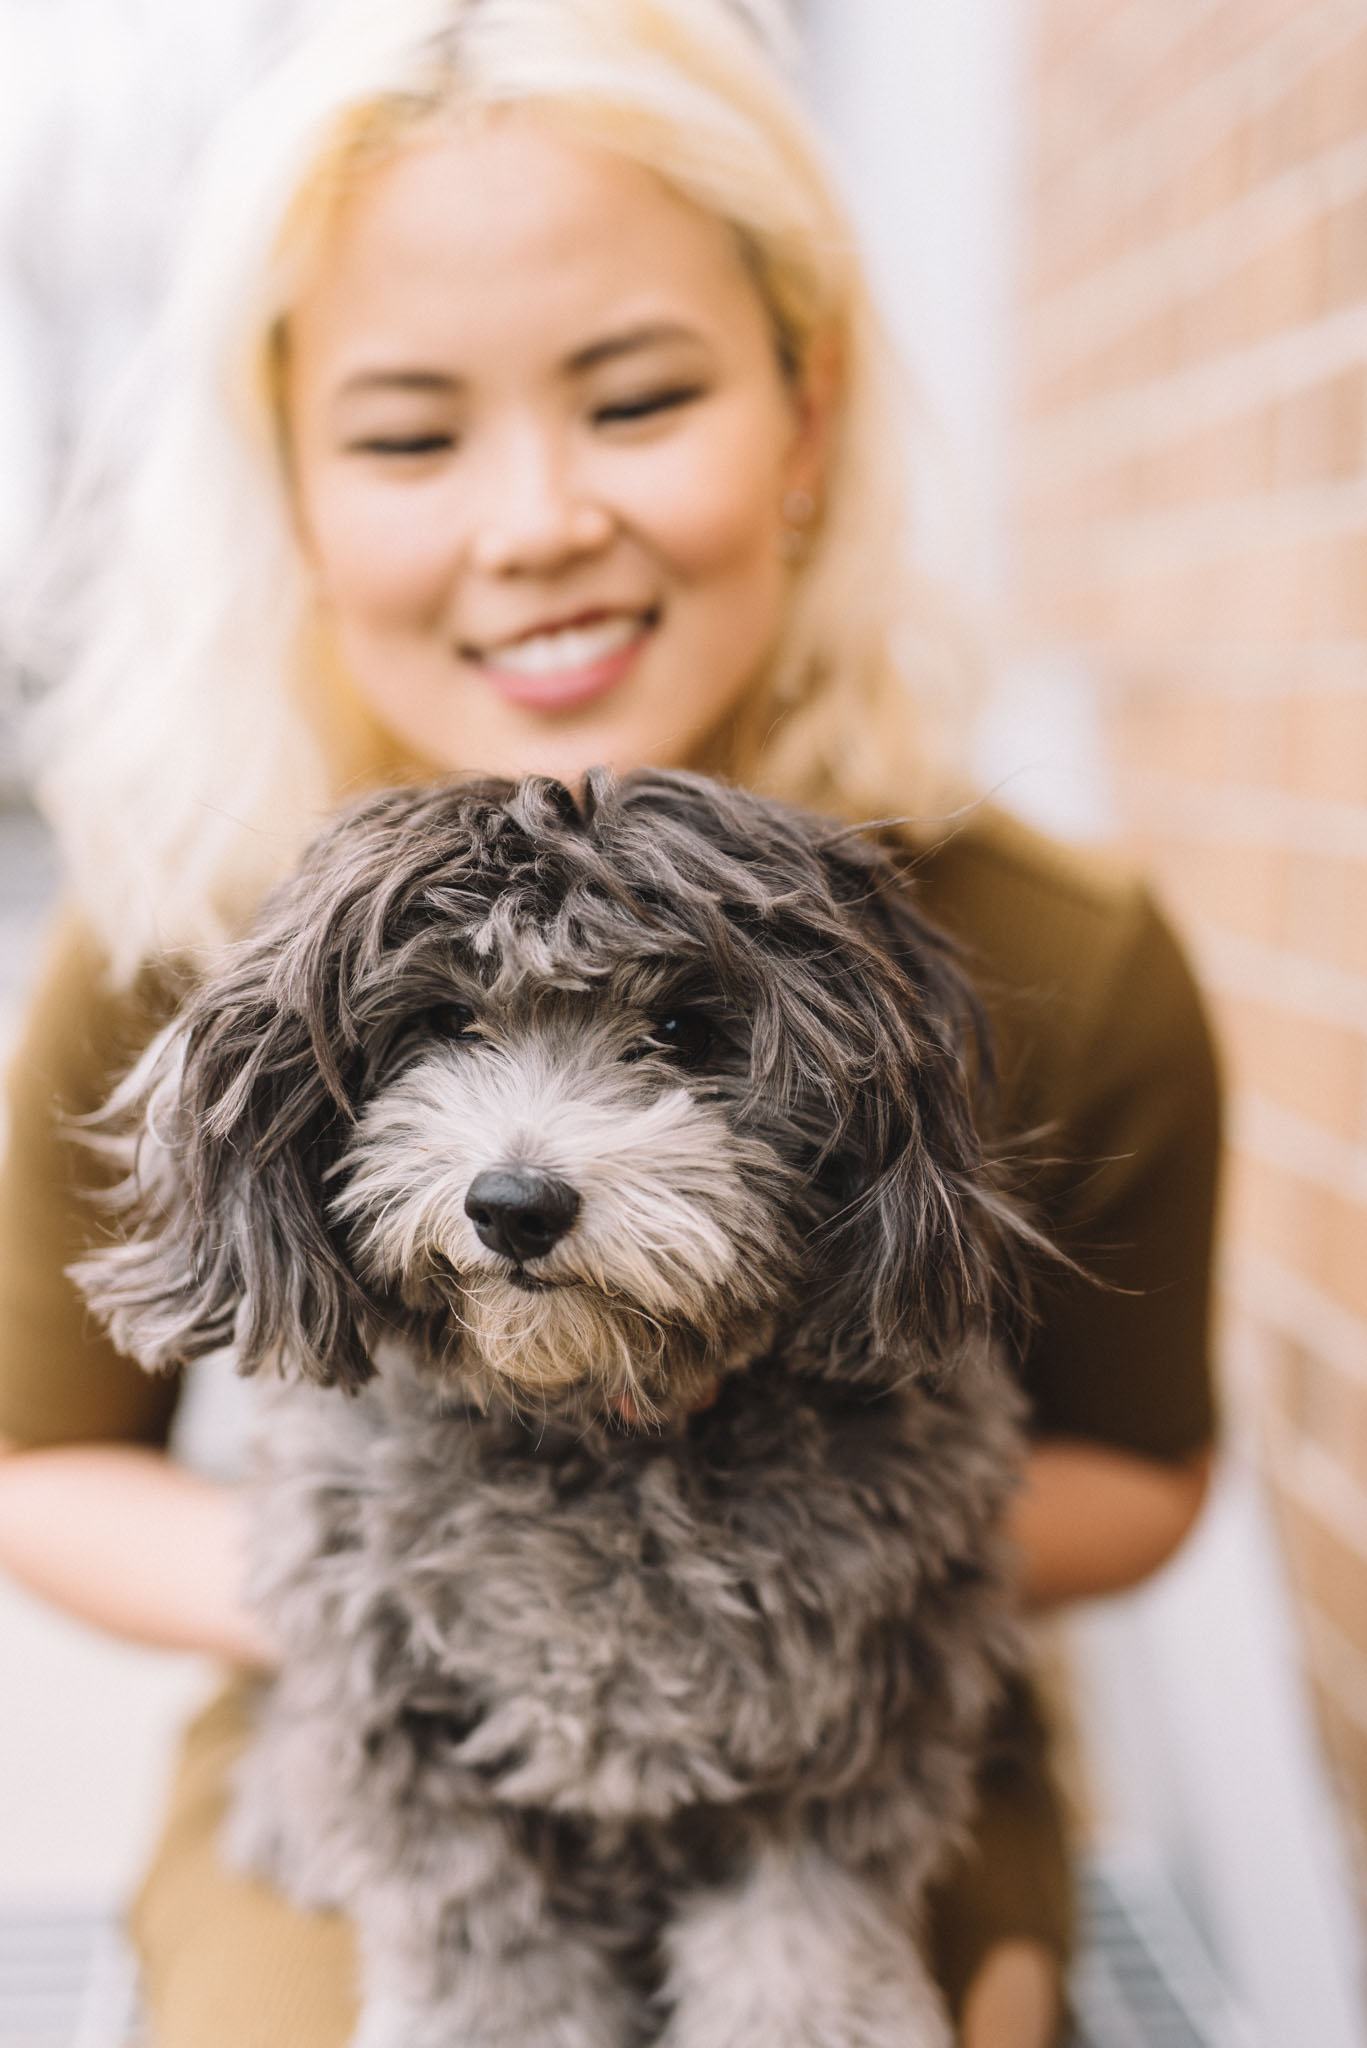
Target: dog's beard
[[540, 1349], [675, 1265]]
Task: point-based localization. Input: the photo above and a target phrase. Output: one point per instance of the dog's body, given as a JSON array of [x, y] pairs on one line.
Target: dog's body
[[642, 1609]]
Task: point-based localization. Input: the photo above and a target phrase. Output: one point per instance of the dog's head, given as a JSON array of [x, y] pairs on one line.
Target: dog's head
[[584, 1097]]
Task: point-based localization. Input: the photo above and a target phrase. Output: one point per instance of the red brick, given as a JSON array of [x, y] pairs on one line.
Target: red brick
[[1240, 890], [1321, 111], [1218, 39], [1097, 571], [1338, 89], [1345, 277], [1148, 351], [1326, 752], [1317, 434], [1293, 590], [1345, 1750], [1290, 1384], [1326, 910], [1169, 732], [1328, 1573], [1311, 1229], [1338, 1417], [1260, 730], [1282, 286], [1212, 737], [1312, 1067], [1338, 1265], [1335, 569], [1282, 135], [1211, 184], [1267, 1210]]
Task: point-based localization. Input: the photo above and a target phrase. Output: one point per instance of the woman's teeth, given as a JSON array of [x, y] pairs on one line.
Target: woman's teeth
[[573, 647]]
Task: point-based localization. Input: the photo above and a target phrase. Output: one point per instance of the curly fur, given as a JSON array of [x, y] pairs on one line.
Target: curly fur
[[642, 1607]]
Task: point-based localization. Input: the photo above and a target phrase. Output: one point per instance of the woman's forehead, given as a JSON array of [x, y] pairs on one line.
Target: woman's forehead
[[513, 236]]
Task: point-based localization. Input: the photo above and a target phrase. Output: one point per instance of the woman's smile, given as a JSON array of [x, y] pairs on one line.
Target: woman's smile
[[566, 665]]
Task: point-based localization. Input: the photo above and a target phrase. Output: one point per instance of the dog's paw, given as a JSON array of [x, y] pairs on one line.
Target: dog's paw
[[551, 1992], [800, 1954]]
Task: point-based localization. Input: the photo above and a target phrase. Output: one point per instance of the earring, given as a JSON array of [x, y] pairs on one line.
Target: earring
[[797, 508]]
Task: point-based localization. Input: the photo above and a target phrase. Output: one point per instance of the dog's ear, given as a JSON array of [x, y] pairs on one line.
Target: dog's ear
[[225, 1131], [229, 1126], [923, 1247], [867, 1042]]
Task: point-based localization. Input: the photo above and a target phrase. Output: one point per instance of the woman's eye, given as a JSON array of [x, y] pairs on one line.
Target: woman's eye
[[403, 444], [686, 1035], [645, 407]]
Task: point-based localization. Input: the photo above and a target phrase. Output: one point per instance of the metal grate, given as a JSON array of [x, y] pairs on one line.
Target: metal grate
[[1143, 1978], [66, 1980]]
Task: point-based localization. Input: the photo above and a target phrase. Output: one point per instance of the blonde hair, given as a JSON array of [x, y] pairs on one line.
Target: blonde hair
[[191, 747]]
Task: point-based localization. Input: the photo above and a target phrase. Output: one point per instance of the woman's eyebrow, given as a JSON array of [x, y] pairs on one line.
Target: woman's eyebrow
[[400, 380], [631, 341], [656, 334]]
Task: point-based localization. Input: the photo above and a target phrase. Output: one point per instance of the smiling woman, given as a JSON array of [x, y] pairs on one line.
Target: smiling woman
[[708, 428], [520, 405], [545, 520]]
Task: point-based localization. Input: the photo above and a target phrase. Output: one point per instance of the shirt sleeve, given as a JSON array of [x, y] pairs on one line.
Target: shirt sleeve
[[61, 1380], [1120, 1351]]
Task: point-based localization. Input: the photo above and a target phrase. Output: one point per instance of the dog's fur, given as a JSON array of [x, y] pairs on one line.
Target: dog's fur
[[641, 1608]]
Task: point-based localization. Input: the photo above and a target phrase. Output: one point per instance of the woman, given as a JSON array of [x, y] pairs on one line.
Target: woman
[[523, 407]]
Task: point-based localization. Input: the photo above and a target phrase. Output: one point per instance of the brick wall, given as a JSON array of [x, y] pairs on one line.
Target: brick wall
[[1191, 514]]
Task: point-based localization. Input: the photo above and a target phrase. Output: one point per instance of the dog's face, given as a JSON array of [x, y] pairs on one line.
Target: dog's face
[[591, 1101]]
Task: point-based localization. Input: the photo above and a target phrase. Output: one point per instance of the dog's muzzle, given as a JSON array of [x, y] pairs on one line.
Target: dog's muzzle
[[520, 1212]]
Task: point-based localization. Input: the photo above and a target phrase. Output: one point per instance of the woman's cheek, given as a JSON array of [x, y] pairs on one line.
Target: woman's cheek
[[379, 550], [709, 503]]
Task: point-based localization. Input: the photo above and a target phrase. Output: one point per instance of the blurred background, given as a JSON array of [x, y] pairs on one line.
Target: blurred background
[[1124, 246]]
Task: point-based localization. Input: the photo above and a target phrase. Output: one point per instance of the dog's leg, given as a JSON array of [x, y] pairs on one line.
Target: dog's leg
[[798, 1954], [460, 1949]]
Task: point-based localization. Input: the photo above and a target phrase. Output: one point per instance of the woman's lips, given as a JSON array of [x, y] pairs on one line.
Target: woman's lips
[[565, 666]]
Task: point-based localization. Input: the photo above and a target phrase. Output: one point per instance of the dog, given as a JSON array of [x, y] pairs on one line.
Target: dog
[[640, 1594]]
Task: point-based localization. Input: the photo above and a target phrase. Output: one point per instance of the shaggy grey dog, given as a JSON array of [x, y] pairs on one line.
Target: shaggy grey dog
[[640, 1597]]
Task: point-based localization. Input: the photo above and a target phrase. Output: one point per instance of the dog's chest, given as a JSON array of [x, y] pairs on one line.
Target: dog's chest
[[506, 1552]]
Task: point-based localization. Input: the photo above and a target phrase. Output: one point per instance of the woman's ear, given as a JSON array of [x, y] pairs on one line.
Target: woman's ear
[[817, 388]]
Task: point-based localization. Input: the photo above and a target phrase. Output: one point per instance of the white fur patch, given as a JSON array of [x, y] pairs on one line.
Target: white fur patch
[[798, 1953], [663, 1199]]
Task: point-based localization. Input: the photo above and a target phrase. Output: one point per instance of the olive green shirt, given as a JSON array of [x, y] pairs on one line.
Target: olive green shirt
[[1108, 1104]]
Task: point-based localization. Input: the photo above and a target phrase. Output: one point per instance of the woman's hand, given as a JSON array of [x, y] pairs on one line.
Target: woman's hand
[[1092, 1520], [123, 1538]]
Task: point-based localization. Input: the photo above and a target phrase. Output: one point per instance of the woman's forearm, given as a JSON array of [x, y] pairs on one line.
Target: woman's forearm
[[134, 1544], [126, 1540], [1092, 1520]]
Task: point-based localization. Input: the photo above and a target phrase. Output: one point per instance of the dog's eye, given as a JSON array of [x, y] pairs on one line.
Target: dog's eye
[[686, 1035], [451, 1020]]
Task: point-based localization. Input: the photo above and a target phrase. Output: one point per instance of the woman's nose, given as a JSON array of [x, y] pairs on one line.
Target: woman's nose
[[531, 513]]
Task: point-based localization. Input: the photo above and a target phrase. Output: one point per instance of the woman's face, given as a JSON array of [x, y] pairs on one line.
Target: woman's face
[[541, 445]]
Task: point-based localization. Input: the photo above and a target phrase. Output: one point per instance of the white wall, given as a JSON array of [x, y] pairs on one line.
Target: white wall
[[925, 104], [923, 101]]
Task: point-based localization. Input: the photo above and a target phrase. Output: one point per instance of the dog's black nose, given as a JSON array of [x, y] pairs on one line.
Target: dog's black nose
[[520, 1212]]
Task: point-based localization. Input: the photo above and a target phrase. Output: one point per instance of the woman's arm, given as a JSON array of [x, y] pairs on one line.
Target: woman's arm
[[1091, 1520], [125, 1539]]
